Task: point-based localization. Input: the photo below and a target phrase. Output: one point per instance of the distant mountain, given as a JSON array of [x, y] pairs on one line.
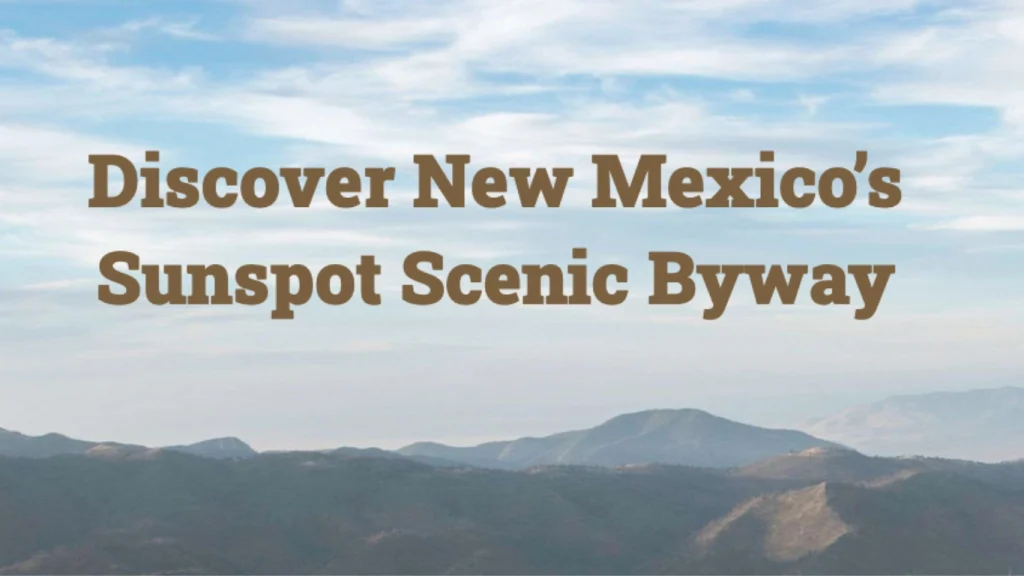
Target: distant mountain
[[20, 445], [217, 448], [684, 437], [149, 511], [981, 425], [16, 444], [348, 452]]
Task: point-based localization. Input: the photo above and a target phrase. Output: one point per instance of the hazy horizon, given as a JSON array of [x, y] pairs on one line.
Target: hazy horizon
[[794, 412]]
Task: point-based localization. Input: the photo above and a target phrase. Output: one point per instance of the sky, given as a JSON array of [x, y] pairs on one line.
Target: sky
[[930, 87]]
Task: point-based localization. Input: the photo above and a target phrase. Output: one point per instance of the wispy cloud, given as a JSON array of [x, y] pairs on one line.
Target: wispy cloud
[[929, 86], [984, 224], [187, 29]]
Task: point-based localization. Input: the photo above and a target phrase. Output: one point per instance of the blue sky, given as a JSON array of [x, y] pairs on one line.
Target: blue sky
[[931, 87]]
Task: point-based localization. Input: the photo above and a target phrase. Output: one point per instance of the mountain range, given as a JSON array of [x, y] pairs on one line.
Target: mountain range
[[985, 425], [20, 445], [686, 437], [654, 492], [979, 425], [823, 510]]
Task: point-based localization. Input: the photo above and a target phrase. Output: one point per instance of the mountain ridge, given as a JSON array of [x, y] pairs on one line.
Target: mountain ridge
[[16, 444], [979, 424], [975, 425], [682, 436]]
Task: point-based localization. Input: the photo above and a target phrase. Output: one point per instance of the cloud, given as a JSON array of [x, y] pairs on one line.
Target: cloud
[[457, 75], [812, 103], [513, 83], [54, 155], [185, 30], [349, 32], [967, 59], [743, 95], [984, 224]]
